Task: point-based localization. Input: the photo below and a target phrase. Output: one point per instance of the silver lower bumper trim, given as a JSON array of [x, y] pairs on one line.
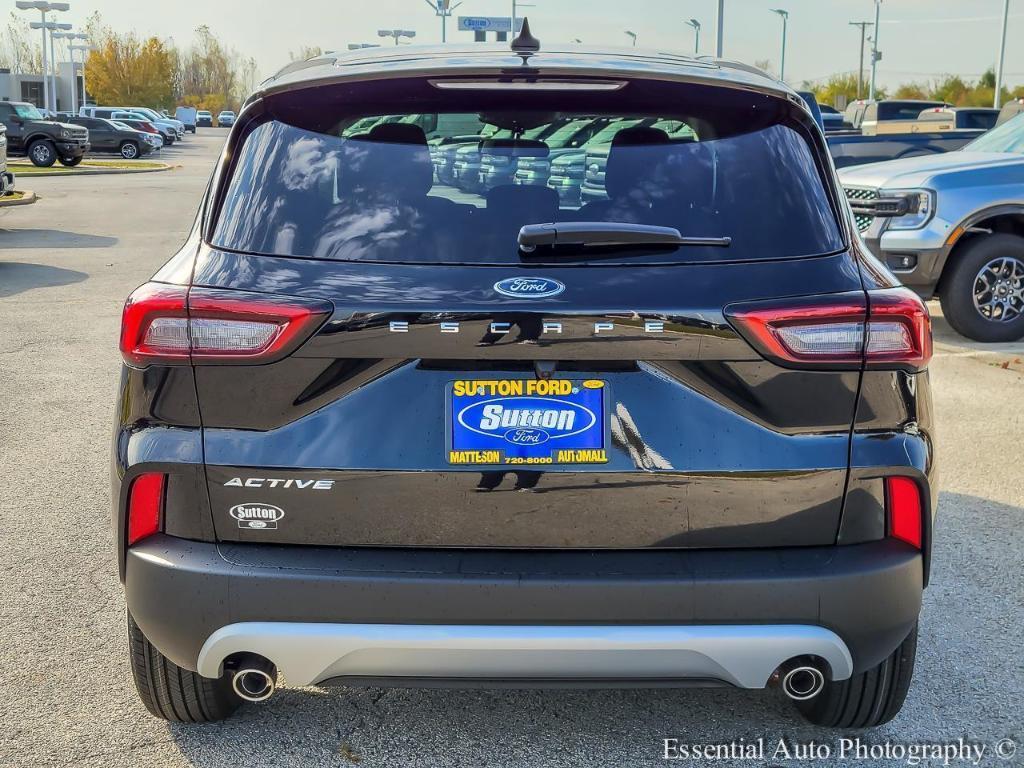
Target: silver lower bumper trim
[[744, 656]]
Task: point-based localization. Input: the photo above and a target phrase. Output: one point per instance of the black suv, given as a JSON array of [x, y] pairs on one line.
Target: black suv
[[374, 430], [108, 136], [45, 142]]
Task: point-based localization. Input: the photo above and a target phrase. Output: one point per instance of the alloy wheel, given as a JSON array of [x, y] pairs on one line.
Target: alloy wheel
[[999, 290]]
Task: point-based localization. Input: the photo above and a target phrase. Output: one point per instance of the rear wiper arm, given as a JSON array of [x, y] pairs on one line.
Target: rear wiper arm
[[609, 233]]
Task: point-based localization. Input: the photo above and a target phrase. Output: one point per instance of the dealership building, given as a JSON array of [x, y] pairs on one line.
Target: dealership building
[[19, 86]]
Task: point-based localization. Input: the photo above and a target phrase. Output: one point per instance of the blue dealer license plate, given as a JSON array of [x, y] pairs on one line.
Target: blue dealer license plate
[[527, 421]]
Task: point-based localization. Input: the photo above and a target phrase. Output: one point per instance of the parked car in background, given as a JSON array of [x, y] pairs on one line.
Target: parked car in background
[[831, 118], [1010, 110], [159, 118], [187, 116], [138, 123], [204, 119], [568, 139], [154, 139], [952, 118], [169, 134], [43, 141], [953, 225], [226, 119], [893, 115], [6, 177], [170, 129], [110, 136], [499, 159], [569, 169], [812, 105]]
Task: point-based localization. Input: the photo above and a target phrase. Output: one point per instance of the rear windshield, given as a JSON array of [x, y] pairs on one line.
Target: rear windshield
[[457, 184]]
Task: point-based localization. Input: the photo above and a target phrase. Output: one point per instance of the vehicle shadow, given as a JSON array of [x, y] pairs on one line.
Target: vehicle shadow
[[16, 277], [977, 551], [52, 238]]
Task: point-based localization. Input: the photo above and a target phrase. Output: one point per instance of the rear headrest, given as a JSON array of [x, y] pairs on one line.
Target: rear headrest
[[627, 164], [391, 160], [397, 133]]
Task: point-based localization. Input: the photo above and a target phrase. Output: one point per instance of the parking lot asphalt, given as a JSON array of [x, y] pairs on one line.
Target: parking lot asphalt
[[66, 698]]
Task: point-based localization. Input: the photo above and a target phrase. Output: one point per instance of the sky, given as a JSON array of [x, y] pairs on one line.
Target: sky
[[919, 39]]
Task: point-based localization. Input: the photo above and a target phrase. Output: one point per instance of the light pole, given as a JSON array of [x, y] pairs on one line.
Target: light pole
[[443, 9], [860, 72], [44, 7], [784, 15], [396, 33], [1002, 52], [696, 35], [52, 26], [632, 35], [718, 28], [69, 36], [360, 46], [875, 55], [85, 51]]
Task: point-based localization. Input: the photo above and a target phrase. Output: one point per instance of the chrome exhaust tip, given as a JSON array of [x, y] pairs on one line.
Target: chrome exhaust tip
[[802, 682], [254, 678]]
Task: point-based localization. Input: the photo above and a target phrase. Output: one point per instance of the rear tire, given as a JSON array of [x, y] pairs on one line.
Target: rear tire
[[960, 282], [42, 153], [173, 693], [869, 699]]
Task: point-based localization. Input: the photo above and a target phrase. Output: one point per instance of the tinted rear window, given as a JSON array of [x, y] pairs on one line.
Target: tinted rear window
[[456, 184]]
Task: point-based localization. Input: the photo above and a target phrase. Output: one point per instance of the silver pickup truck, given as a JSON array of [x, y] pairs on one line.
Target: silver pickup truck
[[952, 225]]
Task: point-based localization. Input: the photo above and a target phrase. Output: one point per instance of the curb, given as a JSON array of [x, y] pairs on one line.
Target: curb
[[89, 171], [27, 199]]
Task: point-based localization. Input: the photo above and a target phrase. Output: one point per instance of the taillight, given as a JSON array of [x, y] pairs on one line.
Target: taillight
[[883, 329], [172, 324], [903, 504], [145, 503]]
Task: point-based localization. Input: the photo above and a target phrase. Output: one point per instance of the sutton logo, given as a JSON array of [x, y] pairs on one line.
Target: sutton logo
[[256, 516]]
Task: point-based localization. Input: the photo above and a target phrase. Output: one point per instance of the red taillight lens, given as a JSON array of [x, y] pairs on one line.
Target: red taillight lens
[[884, 329], [145, 503], [903, 503], [171, 324]]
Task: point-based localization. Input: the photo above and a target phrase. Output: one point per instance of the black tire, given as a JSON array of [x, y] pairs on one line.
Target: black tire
[[172, 692], [70, 162], [957, 288], [129, 150], [42, 153], [868, 699]]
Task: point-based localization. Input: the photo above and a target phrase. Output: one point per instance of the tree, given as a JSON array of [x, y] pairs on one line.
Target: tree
[[840, 85], [126, 70], [305, 52], [212, 76], [19, 51], [912, 91]]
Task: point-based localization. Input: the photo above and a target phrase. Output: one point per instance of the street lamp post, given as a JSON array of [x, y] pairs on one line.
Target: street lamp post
[[53, 28], [44, 7], [85, 51], [396, 33], [443, 9], [998, 100], [719, 31], [70, 36], [696, 35], [784, 15], [632, 35], [875, 55]]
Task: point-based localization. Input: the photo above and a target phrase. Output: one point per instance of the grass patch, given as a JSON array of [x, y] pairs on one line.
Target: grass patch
[[27, 169]]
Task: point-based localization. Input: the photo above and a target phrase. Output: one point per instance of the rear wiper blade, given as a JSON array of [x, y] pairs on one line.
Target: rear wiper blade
[[609, 233]]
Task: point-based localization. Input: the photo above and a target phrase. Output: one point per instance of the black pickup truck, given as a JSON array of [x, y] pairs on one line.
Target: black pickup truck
[[44, 141]]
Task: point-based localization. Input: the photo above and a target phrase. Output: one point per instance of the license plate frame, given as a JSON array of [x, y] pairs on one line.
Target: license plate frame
[[537, 422]]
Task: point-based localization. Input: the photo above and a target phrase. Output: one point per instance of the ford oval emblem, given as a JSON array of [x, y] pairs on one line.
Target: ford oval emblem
[[529, 287]]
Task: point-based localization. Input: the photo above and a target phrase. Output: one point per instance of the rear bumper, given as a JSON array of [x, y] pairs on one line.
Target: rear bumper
[[195, 600], [743, 656]]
